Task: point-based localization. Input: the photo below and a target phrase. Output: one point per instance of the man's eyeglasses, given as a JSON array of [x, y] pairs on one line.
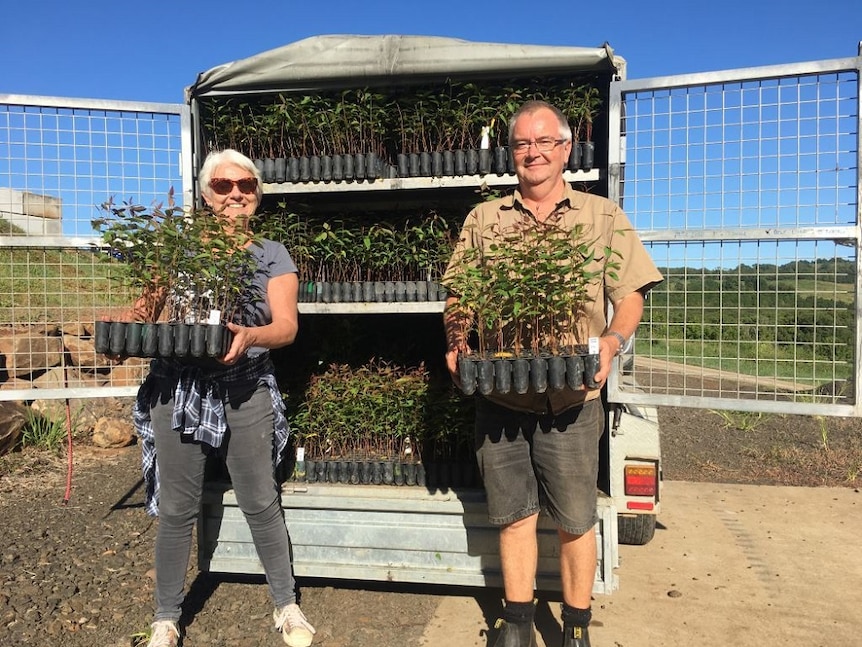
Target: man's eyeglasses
[[223, 186], [544, 145]]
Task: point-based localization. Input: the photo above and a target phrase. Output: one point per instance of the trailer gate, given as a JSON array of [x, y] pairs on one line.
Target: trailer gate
[[745, 187], [60, 159]]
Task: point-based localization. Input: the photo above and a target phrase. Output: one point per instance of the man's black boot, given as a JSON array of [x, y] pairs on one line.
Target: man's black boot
[[576, 636], [515, 634]]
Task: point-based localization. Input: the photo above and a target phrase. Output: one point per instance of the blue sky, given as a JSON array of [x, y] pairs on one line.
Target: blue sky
[[150, 51]]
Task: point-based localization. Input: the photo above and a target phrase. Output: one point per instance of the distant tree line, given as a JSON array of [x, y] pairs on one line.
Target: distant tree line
[[803, 307]]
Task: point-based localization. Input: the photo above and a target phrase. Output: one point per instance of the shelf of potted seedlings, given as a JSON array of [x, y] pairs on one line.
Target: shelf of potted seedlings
[[381, 431], [439, 134], [351, 267]]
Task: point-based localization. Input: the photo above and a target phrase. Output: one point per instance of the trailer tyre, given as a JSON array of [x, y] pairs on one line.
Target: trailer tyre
[[636, 529]]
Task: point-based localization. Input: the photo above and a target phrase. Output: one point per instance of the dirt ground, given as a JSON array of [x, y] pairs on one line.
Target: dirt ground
[[79, 573], [765, 449], [740, 565]]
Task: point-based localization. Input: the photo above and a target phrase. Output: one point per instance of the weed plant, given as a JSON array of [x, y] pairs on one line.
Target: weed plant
[[42, 432]]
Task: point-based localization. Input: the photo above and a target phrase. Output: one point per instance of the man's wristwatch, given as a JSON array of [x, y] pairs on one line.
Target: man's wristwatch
[[619, 338]]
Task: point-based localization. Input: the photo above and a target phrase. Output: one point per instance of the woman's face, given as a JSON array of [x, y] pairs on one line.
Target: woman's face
[[237, 199]]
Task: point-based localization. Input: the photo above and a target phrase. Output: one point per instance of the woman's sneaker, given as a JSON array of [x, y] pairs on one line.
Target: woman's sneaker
[[294, 628], [165, 633]]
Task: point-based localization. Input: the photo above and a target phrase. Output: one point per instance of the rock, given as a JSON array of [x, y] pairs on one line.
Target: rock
[[83, 353], [111, 432], [32, 356], [12, 383], [65, 378], [29, 352], [79, 328], [50, 409], [131, 372], [13, 417]]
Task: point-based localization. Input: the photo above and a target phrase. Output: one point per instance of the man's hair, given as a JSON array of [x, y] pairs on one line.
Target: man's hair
[[534, 105]]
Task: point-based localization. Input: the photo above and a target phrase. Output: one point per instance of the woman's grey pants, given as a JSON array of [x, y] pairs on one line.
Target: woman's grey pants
[[248, 452]]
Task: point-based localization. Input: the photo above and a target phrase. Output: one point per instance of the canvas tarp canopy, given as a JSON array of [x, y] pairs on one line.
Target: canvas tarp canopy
[[336, 60]]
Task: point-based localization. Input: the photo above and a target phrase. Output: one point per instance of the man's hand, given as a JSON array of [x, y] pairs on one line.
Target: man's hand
[[455, 322], [452, 365], [608, 347], [627, 315]]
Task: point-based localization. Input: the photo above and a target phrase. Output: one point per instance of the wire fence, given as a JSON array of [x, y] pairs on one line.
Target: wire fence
[[744, 186], [60, 160]]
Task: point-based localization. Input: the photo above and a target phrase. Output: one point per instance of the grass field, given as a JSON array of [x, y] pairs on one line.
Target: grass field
[[56, 286]]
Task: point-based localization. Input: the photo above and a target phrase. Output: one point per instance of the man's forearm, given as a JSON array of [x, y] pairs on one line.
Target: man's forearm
[[627, 314]]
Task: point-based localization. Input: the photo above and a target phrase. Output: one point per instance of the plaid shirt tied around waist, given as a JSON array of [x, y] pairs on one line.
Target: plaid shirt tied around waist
[[199, 412]]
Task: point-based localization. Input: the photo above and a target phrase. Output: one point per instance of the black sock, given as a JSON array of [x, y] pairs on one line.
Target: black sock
[[574, 617], [519, 612]]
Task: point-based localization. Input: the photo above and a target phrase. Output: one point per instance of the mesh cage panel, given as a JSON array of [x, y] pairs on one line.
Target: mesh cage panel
[[745, 193], [60, 159]]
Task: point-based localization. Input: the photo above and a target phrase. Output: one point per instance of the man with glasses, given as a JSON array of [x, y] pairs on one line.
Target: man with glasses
[[539, 451]]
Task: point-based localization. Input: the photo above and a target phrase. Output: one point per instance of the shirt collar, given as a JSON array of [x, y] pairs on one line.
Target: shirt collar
[[515, 200]]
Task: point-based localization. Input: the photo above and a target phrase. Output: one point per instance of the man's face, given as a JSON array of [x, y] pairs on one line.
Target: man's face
[[532, 166]]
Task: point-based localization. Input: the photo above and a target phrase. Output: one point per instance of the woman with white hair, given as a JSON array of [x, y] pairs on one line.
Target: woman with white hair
[[188, 409]]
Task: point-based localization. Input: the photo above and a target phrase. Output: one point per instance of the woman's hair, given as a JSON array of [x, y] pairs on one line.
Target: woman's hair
[[227, 156], [532, 106]]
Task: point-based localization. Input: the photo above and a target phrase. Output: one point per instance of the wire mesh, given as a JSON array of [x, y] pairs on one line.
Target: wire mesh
[[66, 161], [746, 193], [59, 161]]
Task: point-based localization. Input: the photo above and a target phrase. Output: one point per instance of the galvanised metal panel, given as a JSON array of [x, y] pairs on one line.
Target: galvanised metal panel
[[389, 533]]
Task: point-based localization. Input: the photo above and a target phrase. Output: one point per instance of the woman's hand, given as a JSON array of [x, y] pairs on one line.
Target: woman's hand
[[243, 339], [282, 296], [112, 358]]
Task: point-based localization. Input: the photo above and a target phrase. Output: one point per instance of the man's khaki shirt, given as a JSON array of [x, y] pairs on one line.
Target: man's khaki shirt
[[606, 224]]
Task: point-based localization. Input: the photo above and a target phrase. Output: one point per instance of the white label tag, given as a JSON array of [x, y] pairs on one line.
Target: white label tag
[[215, 317], [300, 454], [593, 346]]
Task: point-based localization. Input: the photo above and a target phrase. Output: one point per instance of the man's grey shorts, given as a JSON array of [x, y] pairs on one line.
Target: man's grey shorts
[[530, 462]]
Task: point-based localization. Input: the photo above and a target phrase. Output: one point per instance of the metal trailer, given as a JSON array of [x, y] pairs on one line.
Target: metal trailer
[[442, 536], [727, 176]]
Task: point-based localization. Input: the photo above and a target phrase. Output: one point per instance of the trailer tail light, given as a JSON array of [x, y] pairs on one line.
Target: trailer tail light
[[641, 480]]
